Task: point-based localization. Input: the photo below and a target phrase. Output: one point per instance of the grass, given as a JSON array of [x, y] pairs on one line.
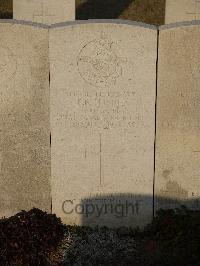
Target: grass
[[147, 11], [6, 9]]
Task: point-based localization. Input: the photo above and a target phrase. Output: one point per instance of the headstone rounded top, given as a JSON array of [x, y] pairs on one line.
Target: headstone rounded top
[[104, 21]]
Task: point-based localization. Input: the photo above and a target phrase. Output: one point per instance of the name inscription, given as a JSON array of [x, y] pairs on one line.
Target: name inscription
[[99, 110]]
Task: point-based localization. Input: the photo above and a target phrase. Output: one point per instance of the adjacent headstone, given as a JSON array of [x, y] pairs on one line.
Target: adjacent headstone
[[24, 119], [103, 122], [182, 10], [44, 11], [178, 119]]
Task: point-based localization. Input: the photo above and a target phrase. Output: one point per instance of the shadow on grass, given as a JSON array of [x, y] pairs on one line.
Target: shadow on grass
[[101, 9], [6, 9], [147, 11], [6, 15]]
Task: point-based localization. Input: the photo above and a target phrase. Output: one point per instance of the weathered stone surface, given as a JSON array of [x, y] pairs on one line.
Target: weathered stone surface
[[182, 10], [178, 119], [103, 79], [44, 11], [24, 119]]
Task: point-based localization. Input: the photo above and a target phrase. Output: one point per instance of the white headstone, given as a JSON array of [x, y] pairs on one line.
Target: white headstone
[[44, 11], [103, 81], [24, 119], [178, 118], [182, 10]]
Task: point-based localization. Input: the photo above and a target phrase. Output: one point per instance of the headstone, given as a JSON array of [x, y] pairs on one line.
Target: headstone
[[182, 10], [24, 119], [44, 11], [178, 120], [103, 122]]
